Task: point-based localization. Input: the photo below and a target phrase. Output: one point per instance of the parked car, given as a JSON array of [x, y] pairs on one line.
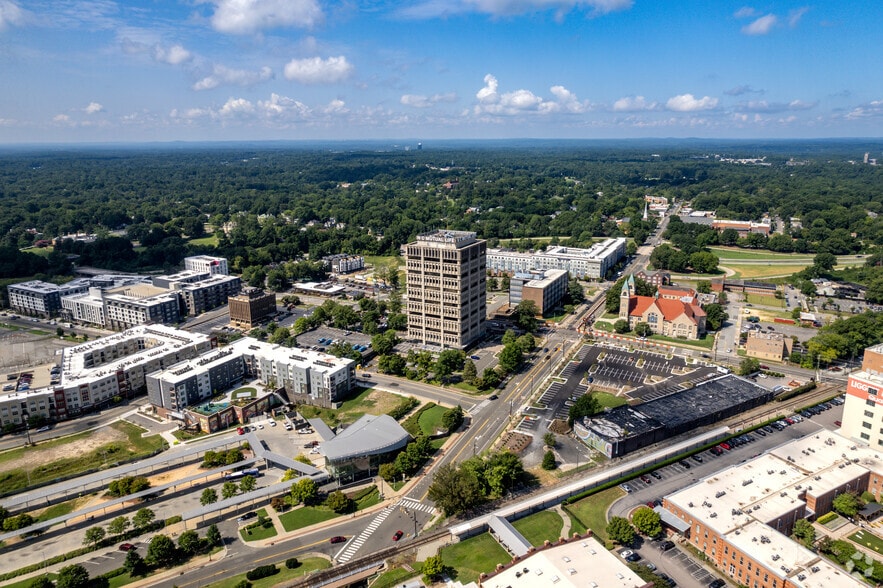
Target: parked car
[[246, 516], [666, 545], [696, 457], [626, 488], [626, 553], [656, 475], [126, 547], [669, 579], [716, 583], [684, 464], [646, 479]]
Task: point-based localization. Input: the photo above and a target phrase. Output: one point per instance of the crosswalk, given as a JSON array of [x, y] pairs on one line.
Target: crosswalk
[[350, 549]]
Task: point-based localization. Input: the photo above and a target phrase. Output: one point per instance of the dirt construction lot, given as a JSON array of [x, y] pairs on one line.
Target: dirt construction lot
[[38, 456]]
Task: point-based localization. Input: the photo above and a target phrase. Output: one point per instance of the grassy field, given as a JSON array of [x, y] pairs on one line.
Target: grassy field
[[705, 343], [749, 272], [725, 253], [368, 500], [210, 241], [366, 401], [539, 527], [61, 509], [376, 260], [397, 576], [430, 420], [867, 539], [591, 512], [607, 400], [765, 300], [254, 532], [307, 565], [27, 582], [42, 471], [305, 516], [474, 556]]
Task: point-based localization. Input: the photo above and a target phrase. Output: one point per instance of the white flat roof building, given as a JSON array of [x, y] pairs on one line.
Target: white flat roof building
[[594, 262], [741, 517], [207, 264], [579, 563]]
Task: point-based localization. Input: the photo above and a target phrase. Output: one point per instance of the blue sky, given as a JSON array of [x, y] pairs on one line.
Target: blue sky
[[192, 70]]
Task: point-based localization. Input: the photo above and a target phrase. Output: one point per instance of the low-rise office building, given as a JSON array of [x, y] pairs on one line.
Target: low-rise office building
[[251, 307], [592, 263], [768, 346], [546, 288], [358, 451]]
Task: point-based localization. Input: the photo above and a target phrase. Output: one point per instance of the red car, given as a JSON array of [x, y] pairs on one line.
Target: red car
[[725, 446], [126, 547], [338, 539], [398, 535]]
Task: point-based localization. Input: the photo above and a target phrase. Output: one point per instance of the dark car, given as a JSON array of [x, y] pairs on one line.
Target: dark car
[[669, 579], [684, 464], [697, 458], [718, 583], [646, 479], [126, 547], [656, 475], [492, 397], [246, 516], [666, 545], [337, 539], [398, 535]]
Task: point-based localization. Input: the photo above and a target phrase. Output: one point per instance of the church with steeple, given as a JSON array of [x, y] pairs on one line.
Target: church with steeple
[[673, 311]]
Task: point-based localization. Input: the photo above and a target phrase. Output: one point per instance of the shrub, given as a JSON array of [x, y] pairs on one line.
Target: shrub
[[242, 584], [403, 408], [173, 520], [291, 563], [262, 572]]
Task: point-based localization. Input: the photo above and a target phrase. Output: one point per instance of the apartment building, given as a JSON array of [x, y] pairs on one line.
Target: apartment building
[[446, 288], [43, 299], [592, 263], [207, 264], [343, 263]]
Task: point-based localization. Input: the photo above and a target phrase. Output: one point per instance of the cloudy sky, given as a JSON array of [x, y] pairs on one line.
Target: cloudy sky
[[160, 70]]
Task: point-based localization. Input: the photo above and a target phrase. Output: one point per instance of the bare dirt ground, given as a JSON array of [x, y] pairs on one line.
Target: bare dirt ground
[[39, 456]]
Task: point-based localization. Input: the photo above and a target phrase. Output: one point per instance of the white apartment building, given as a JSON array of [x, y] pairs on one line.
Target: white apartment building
[[93, 373], [592, 263], [207, 264], [446, 275]]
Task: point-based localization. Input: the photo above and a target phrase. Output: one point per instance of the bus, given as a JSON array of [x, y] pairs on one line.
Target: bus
[[253, 472]]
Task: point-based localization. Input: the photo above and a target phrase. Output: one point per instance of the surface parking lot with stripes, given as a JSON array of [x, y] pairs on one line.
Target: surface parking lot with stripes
[[618, 368]]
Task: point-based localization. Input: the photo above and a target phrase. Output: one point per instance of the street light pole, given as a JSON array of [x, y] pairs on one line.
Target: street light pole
[[25, 417]]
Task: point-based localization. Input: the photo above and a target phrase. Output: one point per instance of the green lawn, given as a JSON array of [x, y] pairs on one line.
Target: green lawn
[[27, 582], [136, 445], [305, 516], [706, 342], [539, 527], [383, 259], [759, 255], [397, 576], [255, 532], [210, 241], [430, 420], [61, 509], [765, 300], [307, 565], [867, 539], [607, 400], [353, 408], [474, 556], [368, 500], [591, 512]]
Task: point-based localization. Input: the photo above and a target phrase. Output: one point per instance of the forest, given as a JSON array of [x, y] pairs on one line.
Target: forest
[[277, 202]]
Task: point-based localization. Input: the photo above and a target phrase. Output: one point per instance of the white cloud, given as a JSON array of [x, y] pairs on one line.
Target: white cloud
[[490, 101], [11, 14], [315, 70], [93, 108], [795, 15], [764, 106], [632, 104], [761, 26], [250, 16], [283, 107], [436, 8], [61, 118], [173, 55], [235, 106], [336, 106], [420, 101], [489, 92], [745, 12], [871, 109], [222, 75], [688, 103]]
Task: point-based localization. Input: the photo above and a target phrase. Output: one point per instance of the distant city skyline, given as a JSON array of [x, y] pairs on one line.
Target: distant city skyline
[[227, 70]]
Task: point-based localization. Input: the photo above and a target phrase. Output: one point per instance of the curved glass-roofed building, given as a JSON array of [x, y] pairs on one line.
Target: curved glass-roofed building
[[357, 451]]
